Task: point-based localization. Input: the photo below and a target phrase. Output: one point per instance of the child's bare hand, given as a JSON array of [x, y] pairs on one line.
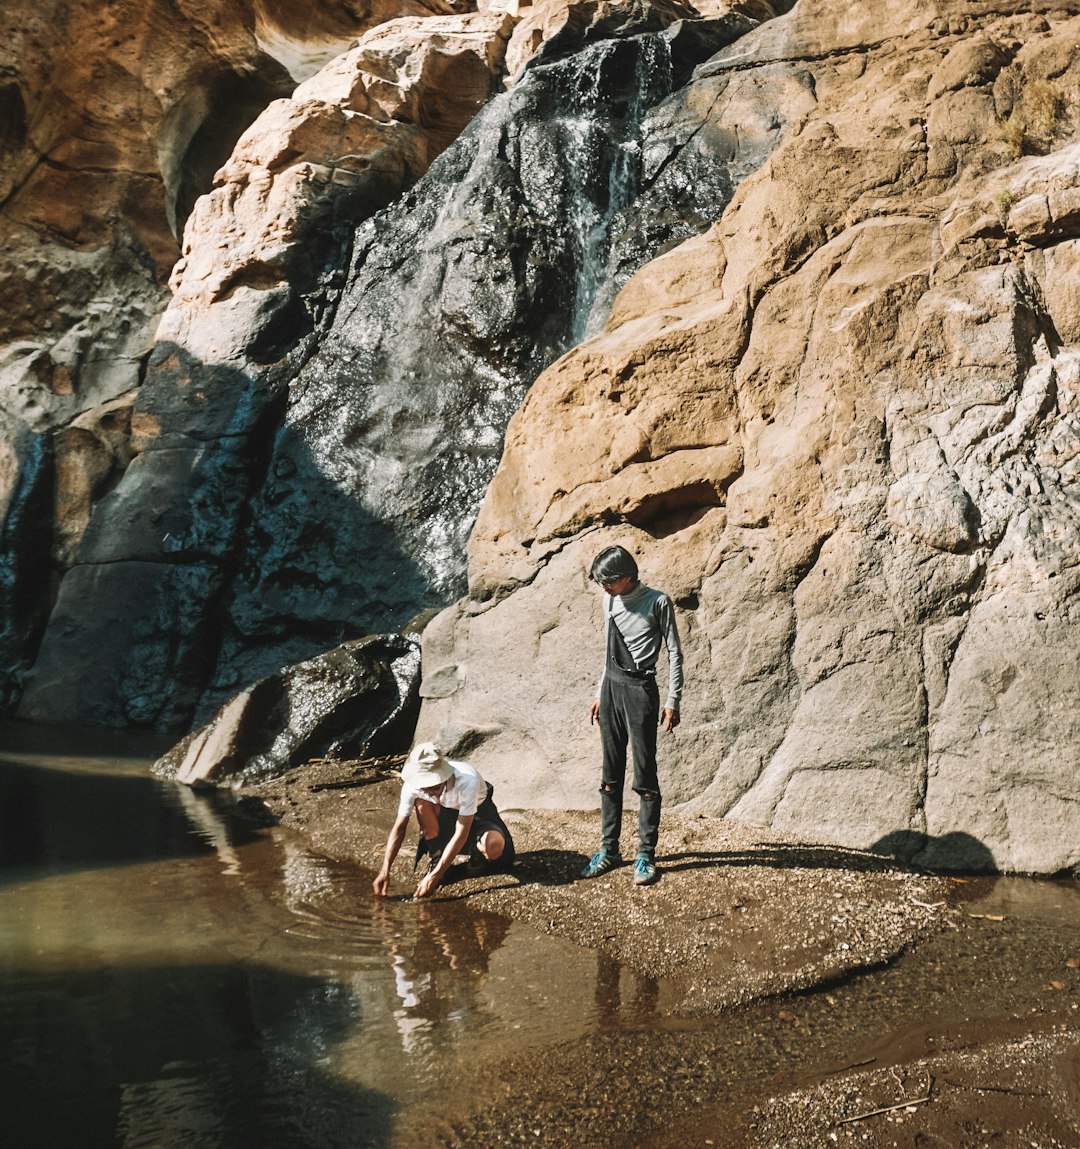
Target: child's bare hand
[[427, 886]]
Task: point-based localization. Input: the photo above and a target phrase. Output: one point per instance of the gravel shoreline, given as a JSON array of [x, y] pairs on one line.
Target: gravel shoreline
[[739, 913], [755, 939]]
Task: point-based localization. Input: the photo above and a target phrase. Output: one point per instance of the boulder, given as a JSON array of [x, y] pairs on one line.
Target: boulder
[[356, 700]]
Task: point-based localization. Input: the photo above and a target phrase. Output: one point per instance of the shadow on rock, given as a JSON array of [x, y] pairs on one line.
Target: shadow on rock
[[185, 592], [955, 852]]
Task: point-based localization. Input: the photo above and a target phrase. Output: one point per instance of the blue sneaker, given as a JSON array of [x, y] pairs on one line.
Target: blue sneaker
[[644, 870], [602, 861]]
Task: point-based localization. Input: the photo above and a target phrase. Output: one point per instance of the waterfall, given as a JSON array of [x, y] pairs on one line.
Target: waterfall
[[599, 141], [457, 297], [341, 500]]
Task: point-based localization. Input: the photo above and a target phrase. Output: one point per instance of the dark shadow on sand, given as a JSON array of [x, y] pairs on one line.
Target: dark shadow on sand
[[955, 852], [780, 857], [531, 868]]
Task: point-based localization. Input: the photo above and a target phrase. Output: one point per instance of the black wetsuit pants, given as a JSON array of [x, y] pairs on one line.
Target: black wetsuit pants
[[629, 714], [487, 818]]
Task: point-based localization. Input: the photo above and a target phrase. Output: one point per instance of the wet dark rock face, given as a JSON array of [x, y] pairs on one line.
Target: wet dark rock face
[[356, 700], [455, 300], [326, 487], [24, 547]]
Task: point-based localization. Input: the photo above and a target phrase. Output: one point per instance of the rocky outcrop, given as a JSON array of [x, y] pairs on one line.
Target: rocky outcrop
[[354, 701], [346, 143], [811, 279], [842, 429], [113, 120], [325, 404]]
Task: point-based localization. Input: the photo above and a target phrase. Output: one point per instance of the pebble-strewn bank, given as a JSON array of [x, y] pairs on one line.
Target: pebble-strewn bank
[[768, 938]]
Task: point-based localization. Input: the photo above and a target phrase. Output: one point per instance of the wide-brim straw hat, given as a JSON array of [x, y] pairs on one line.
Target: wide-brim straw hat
[[425, 767]]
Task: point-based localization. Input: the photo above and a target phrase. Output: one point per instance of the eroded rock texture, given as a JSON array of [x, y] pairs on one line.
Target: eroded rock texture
[[841, 429], [800, 292], [113, 119], [326, 401]]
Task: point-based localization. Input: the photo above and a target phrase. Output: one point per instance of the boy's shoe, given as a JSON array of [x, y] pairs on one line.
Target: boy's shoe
[[602, 861], [644, 870]]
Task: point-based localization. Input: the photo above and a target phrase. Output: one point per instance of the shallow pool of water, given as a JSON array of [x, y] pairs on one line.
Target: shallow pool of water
[[172, 976]]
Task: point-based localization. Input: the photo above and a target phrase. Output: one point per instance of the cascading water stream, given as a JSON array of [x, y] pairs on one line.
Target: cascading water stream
[[620, 149], [458, 296], [345, 478]]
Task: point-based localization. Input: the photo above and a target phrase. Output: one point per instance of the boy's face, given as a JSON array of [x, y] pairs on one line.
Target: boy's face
[[624, 584]]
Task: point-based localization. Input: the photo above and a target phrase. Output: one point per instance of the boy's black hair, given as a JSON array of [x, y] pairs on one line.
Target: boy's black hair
[[612, 564]]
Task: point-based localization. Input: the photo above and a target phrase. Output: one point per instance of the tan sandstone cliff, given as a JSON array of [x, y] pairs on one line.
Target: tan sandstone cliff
[[841, 429]]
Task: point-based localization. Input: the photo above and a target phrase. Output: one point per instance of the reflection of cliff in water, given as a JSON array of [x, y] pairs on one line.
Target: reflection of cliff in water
[[172, 976]]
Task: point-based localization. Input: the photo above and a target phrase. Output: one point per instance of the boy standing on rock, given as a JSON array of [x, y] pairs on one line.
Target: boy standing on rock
[[637, 622]]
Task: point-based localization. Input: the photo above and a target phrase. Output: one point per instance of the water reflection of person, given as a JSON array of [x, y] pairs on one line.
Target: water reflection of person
[[456, 815], [423, 949], [609, 973], [209, 824]]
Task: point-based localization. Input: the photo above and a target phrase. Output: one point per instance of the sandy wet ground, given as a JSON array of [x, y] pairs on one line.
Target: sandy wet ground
[[812, 995]]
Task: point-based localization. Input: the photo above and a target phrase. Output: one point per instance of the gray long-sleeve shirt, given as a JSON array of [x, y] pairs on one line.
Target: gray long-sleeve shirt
[[646, 621]]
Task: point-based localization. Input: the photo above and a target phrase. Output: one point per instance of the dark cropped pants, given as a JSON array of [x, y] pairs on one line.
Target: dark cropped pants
[[487, 818], [629, 714]]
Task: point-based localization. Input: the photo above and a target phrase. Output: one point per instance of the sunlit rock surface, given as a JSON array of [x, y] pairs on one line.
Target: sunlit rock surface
[[325, 404], [809, 293], [841, 429], [346, 143]]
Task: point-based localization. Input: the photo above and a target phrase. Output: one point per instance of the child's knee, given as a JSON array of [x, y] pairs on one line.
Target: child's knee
[[427, 817], [491, 844]]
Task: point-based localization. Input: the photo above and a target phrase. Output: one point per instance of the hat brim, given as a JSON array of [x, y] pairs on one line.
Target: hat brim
[[425, 767], [424, 777]]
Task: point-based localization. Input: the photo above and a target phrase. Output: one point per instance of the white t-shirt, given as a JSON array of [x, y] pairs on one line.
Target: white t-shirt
[[464, 792]]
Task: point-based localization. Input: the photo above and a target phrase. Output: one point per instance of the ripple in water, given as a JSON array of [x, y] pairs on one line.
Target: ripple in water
[[174, 977]]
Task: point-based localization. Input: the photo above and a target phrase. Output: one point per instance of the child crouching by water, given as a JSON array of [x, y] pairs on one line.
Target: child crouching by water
[[455, 814]]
